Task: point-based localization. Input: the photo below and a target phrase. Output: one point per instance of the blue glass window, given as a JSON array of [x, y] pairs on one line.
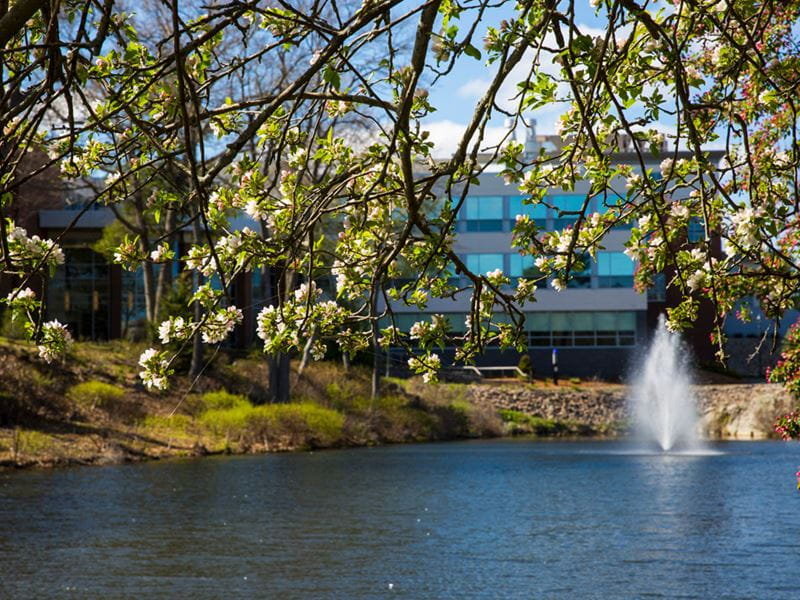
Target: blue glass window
[[581, 279], [571, 203], [696, 231], [581, 328], [483, 213], [522, 266], [483, 263], [561, 327], [538, 326], [614, 270], [537, 212]]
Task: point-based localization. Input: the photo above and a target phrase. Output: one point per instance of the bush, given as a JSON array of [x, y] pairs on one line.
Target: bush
[[228, 422], [173, 425], [303, 423], [95, 394], [347, 396], [787, 368], [522, 423], [28, 441], [311, 423], [222, 400]]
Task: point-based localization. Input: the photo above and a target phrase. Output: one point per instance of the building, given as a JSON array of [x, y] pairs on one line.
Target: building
[[599, 325]]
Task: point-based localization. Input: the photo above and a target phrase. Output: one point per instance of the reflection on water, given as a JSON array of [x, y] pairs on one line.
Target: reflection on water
[[502, 519]]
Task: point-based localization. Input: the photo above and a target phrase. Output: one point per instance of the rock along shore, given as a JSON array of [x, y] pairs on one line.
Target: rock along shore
[[738, 411]]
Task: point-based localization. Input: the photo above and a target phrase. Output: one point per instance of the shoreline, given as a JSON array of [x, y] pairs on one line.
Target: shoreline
[[92, 410], [118, 458]]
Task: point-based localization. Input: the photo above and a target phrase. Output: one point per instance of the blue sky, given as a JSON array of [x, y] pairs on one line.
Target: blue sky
[[456, 95]]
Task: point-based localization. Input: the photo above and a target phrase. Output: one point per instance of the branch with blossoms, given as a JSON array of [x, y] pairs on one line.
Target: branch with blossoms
[[324, 205]]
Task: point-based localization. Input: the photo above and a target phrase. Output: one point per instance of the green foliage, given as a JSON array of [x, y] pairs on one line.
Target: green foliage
[[12, 328], [788, 426], [347, 396], [173, 425], [111, 237], [222, 400], [29, 441], [322, 426], [787, 369], [95, 394], [522, 423], [227, 422], [234, 417]]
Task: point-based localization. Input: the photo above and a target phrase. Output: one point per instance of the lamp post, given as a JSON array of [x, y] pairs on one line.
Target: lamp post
[[555, 366]]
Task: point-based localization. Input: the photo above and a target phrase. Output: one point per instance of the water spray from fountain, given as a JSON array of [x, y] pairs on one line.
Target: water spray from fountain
[[663, 405]]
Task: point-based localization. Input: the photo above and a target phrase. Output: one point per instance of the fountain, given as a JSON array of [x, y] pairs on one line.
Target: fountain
[[662, 402]]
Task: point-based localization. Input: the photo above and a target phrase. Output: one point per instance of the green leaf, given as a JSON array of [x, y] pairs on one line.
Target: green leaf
[[472, 51], [332, 77]]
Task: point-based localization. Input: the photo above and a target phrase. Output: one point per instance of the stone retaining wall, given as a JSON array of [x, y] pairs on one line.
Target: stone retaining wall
[[741, 411]]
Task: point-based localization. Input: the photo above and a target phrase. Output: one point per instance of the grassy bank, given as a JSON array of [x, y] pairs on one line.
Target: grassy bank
[[92, 409]]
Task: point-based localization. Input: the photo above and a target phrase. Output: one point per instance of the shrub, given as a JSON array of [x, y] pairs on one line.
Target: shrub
[[94, 394], [303, 423], [312, 423], [521, 423], [32, 442], [222, 400], [171, 425], [324, 425], [228, 422], [347, 396]]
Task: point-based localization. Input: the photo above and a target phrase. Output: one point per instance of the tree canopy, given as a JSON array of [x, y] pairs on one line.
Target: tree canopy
[[309, 118]]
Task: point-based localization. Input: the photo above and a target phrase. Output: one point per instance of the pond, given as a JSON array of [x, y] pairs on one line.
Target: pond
[[484, 519]]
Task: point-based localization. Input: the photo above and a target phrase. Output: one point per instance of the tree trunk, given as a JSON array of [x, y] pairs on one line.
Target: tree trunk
[[279, 389], [376, 348], [376, 363], [279, 385], [147, 266], [165, 270]]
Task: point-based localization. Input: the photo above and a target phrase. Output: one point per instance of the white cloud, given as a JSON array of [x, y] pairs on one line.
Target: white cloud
[[446, 135], [474, 88]]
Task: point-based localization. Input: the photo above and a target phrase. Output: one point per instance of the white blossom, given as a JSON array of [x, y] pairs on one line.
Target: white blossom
[[254, 210], [634, 181], [161, 254], [55, 338], [746, 226], [679, 210], [21, 295], [307, 291], [695, 280], [155, 369], [219, 324], [496, 274]]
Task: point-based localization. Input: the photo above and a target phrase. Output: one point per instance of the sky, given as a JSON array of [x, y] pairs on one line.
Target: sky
[[456, 95]]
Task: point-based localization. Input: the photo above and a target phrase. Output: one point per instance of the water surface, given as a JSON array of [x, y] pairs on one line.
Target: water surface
[[497, 519]]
